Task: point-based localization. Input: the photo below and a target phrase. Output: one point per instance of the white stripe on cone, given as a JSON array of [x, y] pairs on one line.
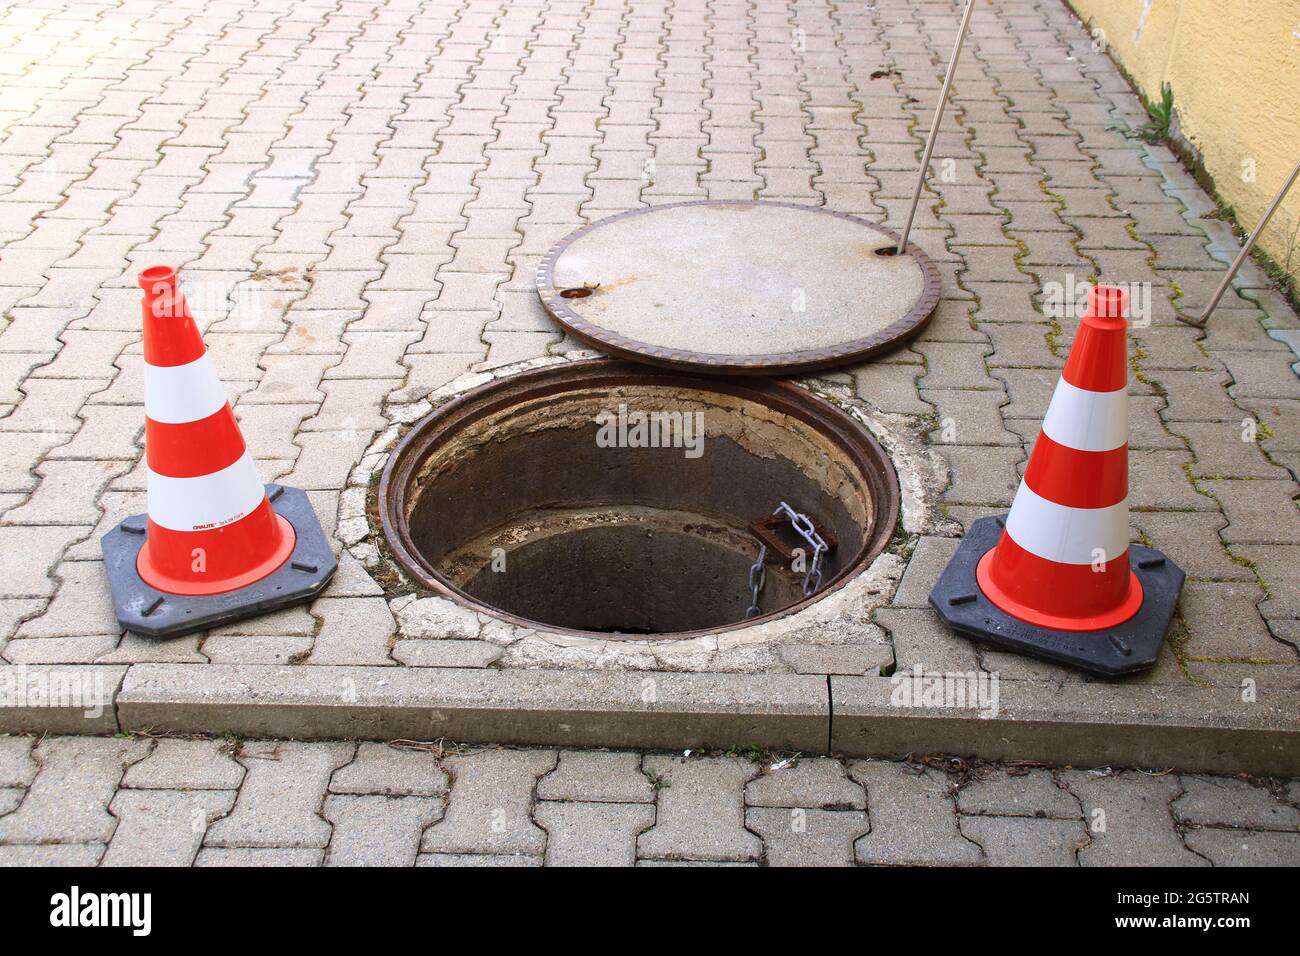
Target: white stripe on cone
[[177, 394], [1087, 421], [1067, 535], [208, 501]]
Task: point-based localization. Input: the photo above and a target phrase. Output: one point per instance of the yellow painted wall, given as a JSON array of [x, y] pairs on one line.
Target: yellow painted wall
[[1235, 70]]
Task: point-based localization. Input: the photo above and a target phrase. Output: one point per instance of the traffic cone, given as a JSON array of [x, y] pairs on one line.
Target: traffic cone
[[1057, 577], [216, 545]]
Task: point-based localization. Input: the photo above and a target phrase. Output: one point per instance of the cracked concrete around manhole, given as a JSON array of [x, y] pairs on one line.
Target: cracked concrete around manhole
[[837, 626]]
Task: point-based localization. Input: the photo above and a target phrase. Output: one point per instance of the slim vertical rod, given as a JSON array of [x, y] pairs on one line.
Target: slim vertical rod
[[1250, 243], [934, 126]]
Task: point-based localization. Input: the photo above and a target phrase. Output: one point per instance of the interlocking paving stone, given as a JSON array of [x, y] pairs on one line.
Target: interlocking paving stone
[[928, 561], [913, 817], [1026, 841], [1259, 512], [592, 834], [68, 800], [1192, 542], [281, 797], [1127, 817], [1245, 847], [162, 827], [807, 837], [1279, 567], [52, 854], [10, 797], [488, 811], [597, 777], [477, 859], [701, 810], [812, 783], [17, 768], [1223, 451], [353, 631], [258, 856], [1223, 621], [389, 770], [919, 637], [1229, 802], [186, 765], [446, 653], [1032, 794], [378, 830]]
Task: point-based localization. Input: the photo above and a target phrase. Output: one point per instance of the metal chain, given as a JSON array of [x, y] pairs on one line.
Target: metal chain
[[812, 579], [803, 525], [757, 578]]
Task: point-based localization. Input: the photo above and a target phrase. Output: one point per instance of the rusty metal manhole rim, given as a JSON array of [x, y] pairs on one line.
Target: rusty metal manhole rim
[[710, 363], [830, 421]]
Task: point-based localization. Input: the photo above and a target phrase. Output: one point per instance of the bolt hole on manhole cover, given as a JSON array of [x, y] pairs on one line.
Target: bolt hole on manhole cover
[[621, 501]]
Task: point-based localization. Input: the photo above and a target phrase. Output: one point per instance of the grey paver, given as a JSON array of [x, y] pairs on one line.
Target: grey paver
[[17, 768], [186, 765], [806, 837], [258, 856], [812, 783], [597, 777], [488, 811], [1026, 841], [701, 810], [1032, 794], [1245, 847], [385, 769], [280, 801], [52, 854], [162, 827], [1259, 511], [913, 817], [68, 801], [592, 834], [10, 797], [928, 561], [1128, 819], [1230, 802], [477, 859], [378, 830]]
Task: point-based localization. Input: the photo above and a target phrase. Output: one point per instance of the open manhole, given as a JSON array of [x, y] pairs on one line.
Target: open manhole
[[582, 498]]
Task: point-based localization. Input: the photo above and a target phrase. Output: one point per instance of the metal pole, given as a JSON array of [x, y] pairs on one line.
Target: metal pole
[[1245, 250], [934, 126]]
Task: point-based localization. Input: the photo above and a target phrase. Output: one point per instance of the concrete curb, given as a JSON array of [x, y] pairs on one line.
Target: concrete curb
[[57, 699], [566, 708], [1086, 725]]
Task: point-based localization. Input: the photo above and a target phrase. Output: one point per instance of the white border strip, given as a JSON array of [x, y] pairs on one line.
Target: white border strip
[[179, 394], [1087, 421], [1067, 535], [208, 501]]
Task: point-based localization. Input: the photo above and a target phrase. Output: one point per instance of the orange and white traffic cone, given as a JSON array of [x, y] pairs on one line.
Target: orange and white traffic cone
[[1057, 577], [217, 545]]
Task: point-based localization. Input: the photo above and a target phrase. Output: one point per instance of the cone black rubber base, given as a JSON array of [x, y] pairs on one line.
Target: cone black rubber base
[[155, 613], [1132, 646]]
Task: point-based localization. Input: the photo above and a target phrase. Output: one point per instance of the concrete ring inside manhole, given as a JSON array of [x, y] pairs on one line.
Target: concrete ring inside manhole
[[616, 501]]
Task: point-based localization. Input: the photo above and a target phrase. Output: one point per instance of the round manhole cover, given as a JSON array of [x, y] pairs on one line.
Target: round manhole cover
[[748, 287]]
